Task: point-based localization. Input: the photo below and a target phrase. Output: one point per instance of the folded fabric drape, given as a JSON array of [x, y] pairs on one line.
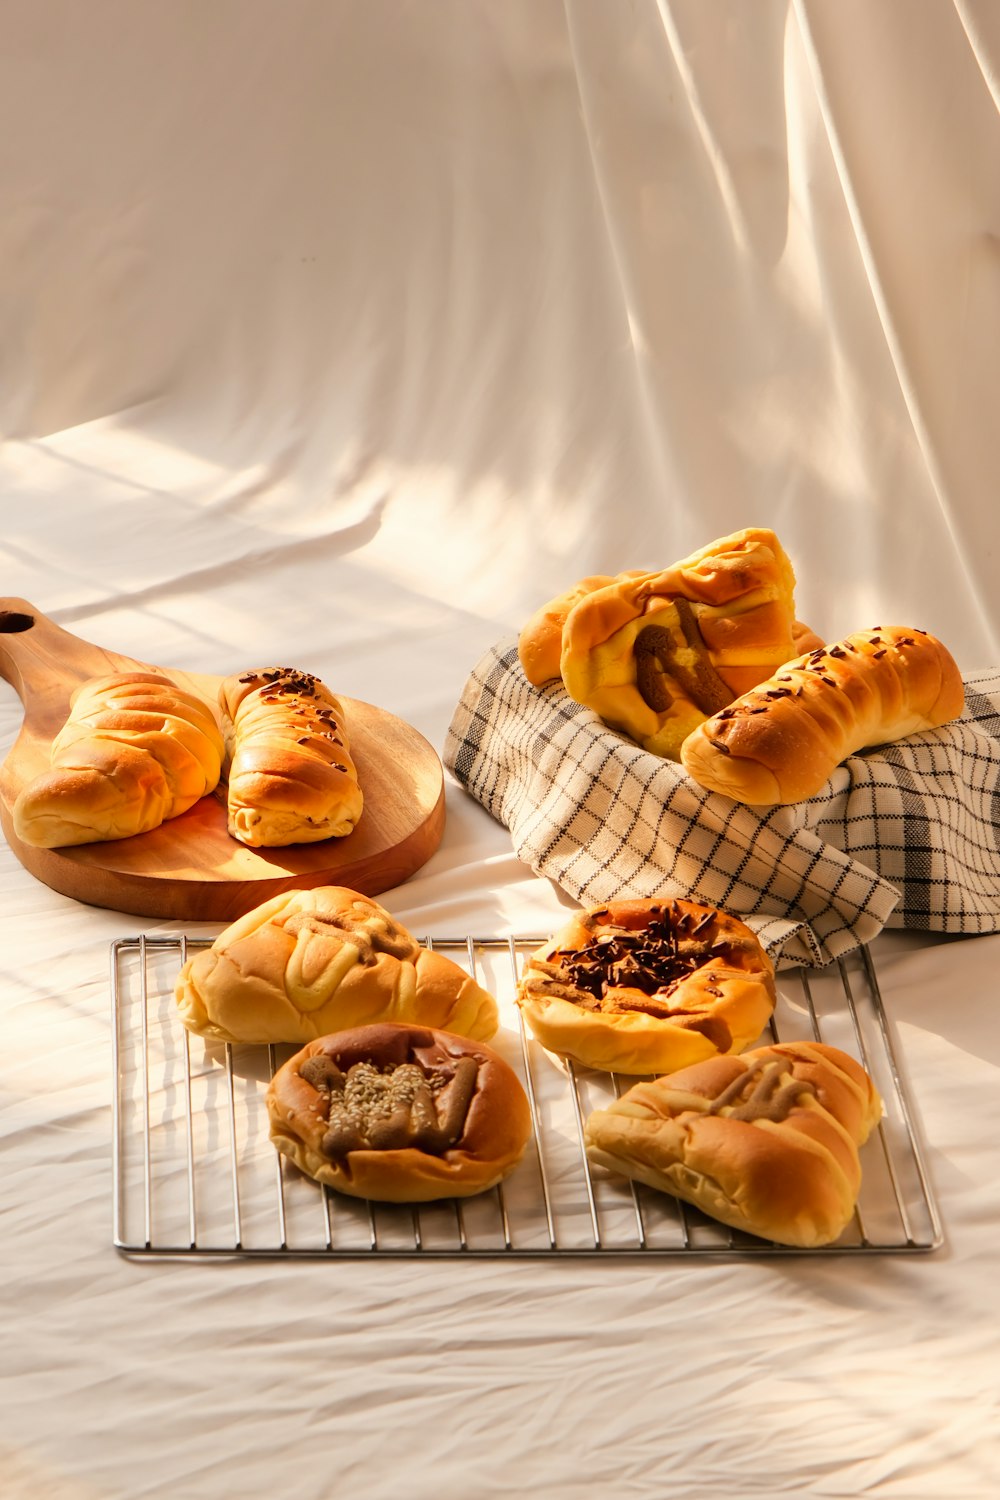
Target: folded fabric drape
[[906, 835]]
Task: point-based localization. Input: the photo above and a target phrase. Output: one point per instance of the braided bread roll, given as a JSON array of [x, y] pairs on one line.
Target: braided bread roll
[[781, 741], [766, 1142], [290, 776], [310, 962], [135, 750]]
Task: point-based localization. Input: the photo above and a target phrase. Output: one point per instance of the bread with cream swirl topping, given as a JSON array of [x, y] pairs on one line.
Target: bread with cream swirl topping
[[766, 1142], [309, 962]]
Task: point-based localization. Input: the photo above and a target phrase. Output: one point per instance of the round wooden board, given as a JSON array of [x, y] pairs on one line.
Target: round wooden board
[[189, 867]]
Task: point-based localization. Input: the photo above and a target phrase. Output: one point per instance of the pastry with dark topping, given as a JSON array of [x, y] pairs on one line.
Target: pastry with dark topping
[[399, 1114], [647, 986]]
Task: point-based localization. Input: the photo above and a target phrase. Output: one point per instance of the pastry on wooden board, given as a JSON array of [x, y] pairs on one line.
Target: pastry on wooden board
[[135, 751], [289, 774]]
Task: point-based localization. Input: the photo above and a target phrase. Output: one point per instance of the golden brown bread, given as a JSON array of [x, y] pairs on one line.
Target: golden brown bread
[[400, 1114], [781, 741], [539, 645], [647, 986], [289, 773], [136, 750], [766, 1142], [309, 962], [653, 654]]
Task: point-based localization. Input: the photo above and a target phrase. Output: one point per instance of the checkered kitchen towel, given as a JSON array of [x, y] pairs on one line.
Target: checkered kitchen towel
[[907, 835]]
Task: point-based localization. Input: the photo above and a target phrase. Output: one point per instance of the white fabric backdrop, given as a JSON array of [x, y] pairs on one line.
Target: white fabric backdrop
[[346, 333]]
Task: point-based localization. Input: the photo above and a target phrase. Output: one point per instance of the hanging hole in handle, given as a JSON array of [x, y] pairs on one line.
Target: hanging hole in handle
[[11, 622]]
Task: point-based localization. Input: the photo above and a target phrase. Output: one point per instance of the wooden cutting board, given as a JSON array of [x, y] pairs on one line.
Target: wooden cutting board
[[189, 867]]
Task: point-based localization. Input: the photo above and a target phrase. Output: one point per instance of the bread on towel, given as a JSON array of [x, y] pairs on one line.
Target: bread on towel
[[136, 750], [400, 1114], [539, 645], [309, 962], [781, 741], [766, 1142], [653, 654], [647, 986], [289, 773]]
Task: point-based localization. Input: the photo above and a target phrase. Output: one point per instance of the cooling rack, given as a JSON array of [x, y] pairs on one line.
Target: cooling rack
[[195, 1175]]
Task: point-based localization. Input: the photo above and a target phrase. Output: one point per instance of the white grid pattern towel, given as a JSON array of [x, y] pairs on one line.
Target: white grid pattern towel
[[904, 836]]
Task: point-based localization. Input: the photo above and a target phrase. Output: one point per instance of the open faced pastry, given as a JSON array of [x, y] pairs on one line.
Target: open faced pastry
[[400, 1114], [654, 654], [766, 1142], [647, 986], [289, 774], [310, 962]]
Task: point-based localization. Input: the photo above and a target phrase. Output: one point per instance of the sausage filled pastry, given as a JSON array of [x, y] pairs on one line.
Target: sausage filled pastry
[[653, 654], [647, 986], [399, 1114]]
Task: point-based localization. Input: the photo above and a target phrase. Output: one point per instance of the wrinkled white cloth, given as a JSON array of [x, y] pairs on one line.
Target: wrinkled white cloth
[[344, 333]]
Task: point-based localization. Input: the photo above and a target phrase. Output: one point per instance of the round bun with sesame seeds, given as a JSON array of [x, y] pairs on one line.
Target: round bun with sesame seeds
[[781, 741], [647, 986], [399, 1114]]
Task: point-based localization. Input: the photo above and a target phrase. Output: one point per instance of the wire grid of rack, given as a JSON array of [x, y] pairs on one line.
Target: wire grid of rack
[[195, 1174]]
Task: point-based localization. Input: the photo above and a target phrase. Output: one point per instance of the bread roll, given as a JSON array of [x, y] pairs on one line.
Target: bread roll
[[290, 776], [135, 750], [653, 654], [400, 1114], [781, 741], [310, 962], [766, 1142], [539, 645], [647, 986]]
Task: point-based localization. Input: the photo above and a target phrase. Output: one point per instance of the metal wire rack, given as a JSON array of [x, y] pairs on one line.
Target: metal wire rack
[[195, 1174]]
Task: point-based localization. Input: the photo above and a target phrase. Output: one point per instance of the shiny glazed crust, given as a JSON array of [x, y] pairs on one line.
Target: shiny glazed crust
[[135, 750], [496, 1130], [289, 773], [781, 742], [539, 646], [653, 654], [722, 1005], [792, 1178], [310, 962]]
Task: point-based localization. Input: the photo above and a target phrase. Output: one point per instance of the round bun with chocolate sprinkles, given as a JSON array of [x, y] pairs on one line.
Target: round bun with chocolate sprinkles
[[399, 1114], [781, 741], [647, 986]]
